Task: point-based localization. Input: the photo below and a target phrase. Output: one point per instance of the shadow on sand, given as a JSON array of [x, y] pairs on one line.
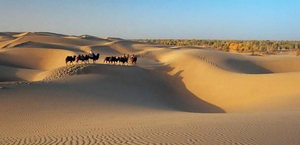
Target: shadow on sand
[[136, 86], [246, 67], [185, 100]]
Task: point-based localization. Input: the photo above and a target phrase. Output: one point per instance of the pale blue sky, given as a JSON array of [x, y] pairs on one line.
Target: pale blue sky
[[175, 19]]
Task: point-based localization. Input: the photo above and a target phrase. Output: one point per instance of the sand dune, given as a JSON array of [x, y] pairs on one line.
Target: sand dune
[[126, 46], [36, 58], [175, 95], [240, 85], [48, 39], [17, 74], [105, 50], [5, 38], [8, 34]]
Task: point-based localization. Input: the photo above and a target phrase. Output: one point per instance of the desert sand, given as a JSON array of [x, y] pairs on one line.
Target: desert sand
[[174, 95]]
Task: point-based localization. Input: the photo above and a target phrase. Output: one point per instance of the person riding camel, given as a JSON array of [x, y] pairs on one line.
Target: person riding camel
[[92, 54]]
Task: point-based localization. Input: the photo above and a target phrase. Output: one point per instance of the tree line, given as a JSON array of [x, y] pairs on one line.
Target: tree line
[[247, 46]]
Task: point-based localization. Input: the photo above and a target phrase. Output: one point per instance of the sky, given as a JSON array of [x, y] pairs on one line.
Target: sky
[[156, 19]]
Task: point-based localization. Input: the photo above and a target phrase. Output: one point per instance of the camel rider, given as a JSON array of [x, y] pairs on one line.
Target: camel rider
[[92, 53]]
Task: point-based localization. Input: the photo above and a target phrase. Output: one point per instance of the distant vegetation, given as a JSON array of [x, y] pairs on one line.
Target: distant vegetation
[[242, 46]]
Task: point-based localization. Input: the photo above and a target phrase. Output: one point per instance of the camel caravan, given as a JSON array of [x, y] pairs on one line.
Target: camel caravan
[[121, 59], [82, 58], [110, 59]]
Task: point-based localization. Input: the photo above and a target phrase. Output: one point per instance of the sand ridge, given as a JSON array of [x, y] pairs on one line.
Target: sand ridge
[[175, 95]]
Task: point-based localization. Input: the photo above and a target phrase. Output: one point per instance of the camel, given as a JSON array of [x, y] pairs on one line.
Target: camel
[[133, 59], [106, 59], [123, 60], [113, 59], [80, 57], [70, 59], [94, 57]]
